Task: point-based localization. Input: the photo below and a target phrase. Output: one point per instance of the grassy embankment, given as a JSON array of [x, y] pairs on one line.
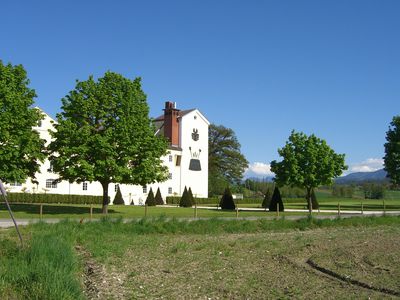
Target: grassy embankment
[[154, 258]]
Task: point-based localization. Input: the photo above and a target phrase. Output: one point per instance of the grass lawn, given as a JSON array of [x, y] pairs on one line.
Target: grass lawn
[[27, 211], [217, 259]]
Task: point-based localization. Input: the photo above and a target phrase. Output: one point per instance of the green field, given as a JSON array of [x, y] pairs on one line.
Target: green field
[[206, 259]]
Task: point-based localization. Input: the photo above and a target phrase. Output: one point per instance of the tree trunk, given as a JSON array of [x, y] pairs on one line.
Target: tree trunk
[[105, 197], [309, 200]]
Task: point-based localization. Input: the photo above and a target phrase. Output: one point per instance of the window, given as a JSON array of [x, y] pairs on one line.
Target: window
[[170, 176], [51, 184], [116, 188], [39, 123], [51, 168], [144, 189], [170, 158], [178, 160], [84, 186], [170, 190], [15, 184]]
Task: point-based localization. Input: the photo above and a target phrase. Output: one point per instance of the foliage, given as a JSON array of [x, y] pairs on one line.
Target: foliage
[[104, 134], [344, 191], [373, 191], [227, 200], [226, 163], [118, 199], [392, 151], [150, 201], [53, 198], [314, 201], [308, 162], [185, 199], [267, 199], [158, 198], [20, 146], [275, 200]]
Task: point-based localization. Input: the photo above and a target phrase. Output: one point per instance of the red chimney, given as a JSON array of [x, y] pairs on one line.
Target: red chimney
[[171, 126]]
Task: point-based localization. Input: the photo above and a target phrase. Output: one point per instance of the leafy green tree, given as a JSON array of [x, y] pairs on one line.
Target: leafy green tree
[[118, 199], [158, 198], [150, 201], [226, 164], [104, 134], [308, 162], [185, 199], [276, 199], [227, 200], [21, 148], [392, 151]]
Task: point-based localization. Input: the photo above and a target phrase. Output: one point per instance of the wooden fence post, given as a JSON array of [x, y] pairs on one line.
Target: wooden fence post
[[195, 210], [41, 211], [237, 212], [384, 207], [277, 210], [338, 208], [362, 208], [91, 212]]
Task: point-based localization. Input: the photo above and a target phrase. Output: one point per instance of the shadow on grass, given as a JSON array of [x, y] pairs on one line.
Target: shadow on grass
[[54, 209]]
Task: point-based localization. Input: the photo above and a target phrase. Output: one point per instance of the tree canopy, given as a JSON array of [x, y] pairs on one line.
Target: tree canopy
[[308, 162], [392, 151], [21, 148], [104, 134], [226, 163]]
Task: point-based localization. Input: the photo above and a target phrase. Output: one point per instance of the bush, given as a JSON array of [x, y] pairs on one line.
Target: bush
[[150, 201], [267, 199], [227, 200], [53, 198], [185, 199], [191, 196], [373, 191], [159, 200], [276, 199], [118, 199], [314, 202]]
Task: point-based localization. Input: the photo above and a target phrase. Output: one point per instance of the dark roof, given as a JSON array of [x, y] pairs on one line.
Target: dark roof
[[181, 114]]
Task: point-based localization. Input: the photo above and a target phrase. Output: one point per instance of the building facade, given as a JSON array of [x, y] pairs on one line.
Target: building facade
[[187, 161]]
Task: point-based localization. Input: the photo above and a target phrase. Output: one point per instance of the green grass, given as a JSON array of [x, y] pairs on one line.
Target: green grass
[[150, 258]]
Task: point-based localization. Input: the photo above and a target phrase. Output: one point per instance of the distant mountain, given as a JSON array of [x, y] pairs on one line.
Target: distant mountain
[[359, 177]]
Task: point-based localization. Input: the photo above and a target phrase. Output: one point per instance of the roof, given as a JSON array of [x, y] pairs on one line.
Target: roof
[[181, 114]]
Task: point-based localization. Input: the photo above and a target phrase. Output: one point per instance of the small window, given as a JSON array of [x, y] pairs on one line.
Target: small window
[[51, 184], [39, 123], [178, 160], [170, 190], [84, 186], [15, 183], [170, 158], [116, 188], [145, 190], [51, 168], [170, 175]]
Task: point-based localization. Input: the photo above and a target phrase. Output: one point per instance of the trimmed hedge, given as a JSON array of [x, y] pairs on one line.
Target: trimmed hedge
[[174, 200], [53, 198]]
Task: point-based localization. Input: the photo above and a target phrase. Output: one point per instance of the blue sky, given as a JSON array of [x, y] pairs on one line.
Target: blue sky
[[261, 68]]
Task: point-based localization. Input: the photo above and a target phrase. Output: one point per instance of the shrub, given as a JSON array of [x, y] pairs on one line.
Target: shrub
[[314, 202], [276, 198], [150, 201], [185, 199], [159, 200], [118, 199], [227, 200], [191, 196], [267, 199]]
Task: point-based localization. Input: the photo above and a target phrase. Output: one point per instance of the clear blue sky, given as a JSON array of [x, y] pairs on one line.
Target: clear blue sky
[[261, 68]]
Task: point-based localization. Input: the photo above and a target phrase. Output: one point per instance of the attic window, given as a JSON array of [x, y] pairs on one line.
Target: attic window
[[195, 117]]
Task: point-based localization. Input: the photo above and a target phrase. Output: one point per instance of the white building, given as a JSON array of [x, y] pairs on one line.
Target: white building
[[187, 161]]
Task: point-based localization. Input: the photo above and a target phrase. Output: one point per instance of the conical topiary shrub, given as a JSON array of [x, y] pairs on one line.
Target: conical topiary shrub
[[158, 198], [267, 199], [276, 198], [150, 201], [118, 199], [314, 202], [185, 199], [191, 196], [227, 200]]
